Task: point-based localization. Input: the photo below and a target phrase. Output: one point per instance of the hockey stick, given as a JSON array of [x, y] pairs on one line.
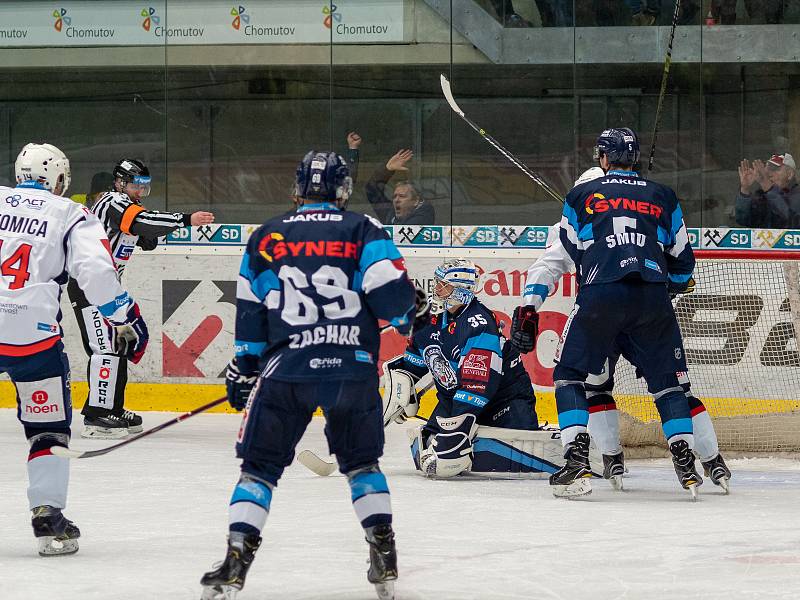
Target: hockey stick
[[68, 453], [322, 467], [448, 94], [664, 79]]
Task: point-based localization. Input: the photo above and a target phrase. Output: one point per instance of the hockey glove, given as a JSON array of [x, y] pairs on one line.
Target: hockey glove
[[524, 328], [450, 452], [239, 385], [675, 288], [399, 396], [131, 337], [147, 244]]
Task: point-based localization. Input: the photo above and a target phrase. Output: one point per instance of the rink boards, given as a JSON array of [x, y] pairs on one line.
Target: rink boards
[[187, 296]]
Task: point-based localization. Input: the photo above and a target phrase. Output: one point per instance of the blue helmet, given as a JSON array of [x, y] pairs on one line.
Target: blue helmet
[[621, 146], [323, 177]]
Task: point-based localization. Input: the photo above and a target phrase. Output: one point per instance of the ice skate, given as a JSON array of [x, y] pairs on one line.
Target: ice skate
[[105, 427], [573, 479], [132, 420], [614, 469], [227, 578], [683, 459], [56, 534], [382, 561], [718, 472]]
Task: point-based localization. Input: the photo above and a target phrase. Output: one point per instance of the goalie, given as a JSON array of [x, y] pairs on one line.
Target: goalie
[[485, 420]]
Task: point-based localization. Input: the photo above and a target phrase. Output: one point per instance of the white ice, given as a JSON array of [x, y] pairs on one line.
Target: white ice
[[153, 518]]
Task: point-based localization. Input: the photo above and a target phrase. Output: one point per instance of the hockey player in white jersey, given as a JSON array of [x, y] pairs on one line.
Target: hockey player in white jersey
[[128, 225], [541, 280], [44, 238]]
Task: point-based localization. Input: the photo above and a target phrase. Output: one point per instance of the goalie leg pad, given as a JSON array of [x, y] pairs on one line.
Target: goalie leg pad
[[513, 453], [450, 452]]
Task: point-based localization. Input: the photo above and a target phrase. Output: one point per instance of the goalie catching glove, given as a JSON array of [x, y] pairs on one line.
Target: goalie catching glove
[[399, 396], [524, 328], [239, 385], [130, 337], [449, 452]]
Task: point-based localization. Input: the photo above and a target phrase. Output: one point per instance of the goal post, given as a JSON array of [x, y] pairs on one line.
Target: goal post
[[740, 331]]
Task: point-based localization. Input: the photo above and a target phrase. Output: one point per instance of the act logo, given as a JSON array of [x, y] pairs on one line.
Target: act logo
[[62, 19], [239, 15], [331, 14], [150, 18]]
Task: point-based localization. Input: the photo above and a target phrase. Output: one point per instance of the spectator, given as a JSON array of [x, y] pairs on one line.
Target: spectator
[[507, 15], [407, 207], [646, 12], [353, 142], [101, 182], [760, 11], [769, 196]]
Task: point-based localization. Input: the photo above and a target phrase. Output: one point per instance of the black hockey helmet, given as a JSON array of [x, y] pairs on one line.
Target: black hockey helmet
[[133, 172], [620, 145]]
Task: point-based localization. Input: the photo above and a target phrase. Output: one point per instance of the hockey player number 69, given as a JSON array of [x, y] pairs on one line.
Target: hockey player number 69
[[328, 282]]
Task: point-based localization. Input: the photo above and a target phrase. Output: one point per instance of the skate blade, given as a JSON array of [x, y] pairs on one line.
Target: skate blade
[[692, 487], [135, 429], [616, 483], [726, 487], [51, 546], [579, 487], [219, 592], [385, 590], [103, 433]]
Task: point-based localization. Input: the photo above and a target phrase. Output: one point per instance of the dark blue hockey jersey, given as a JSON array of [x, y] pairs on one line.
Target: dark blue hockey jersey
[[620, 225], [312, 285], [471, 363]]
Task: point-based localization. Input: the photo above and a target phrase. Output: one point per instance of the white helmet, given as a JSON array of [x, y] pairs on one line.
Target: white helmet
[[589, 175], [44, 164], [463, 275]]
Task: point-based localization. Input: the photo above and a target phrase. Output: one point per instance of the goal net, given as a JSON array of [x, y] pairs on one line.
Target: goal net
[[740, 331]]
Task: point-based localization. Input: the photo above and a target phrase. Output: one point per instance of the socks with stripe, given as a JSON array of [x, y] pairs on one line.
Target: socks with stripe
[[370, 494], [249, 506]]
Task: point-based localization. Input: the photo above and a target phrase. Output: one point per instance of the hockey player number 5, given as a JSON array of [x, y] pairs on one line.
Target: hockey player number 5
[[16, 266], [328, 282]]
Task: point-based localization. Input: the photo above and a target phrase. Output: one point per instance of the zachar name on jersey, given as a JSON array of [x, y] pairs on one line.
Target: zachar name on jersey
[[624, 181], [346, 335], [23, 225]]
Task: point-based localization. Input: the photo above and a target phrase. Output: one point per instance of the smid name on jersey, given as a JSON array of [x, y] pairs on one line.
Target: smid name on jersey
[[628, 237], [342, 335], [23, 225]]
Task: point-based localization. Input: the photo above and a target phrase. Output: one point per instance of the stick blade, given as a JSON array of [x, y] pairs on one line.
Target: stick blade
[[66, 452], [448, 95], [315, 464]]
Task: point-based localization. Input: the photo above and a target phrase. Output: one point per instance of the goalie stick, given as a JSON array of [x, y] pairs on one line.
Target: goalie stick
[[69, 453], [322, 467], [448, 94], [664, 79]]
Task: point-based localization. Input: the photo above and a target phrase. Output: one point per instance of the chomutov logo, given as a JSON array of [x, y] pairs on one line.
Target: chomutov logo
[[241, 23], [150, 18], [334, 21], [61, 19], [332, 14], [63, 22], [239, 16]]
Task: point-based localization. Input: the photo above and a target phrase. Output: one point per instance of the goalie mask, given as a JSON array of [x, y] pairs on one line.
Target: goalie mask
[[43, 165], [456, 284]]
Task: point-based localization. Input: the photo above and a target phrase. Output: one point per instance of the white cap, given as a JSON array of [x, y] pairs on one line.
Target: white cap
[[782, 160]]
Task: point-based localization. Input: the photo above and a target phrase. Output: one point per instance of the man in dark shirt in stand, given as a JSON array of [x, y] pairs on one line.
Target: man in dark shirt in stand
[[406, 207]]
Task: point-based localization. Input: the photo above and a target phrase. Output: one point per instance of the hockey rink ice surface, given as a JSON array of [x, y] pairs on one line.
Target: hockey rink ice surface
[[153, 518]]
